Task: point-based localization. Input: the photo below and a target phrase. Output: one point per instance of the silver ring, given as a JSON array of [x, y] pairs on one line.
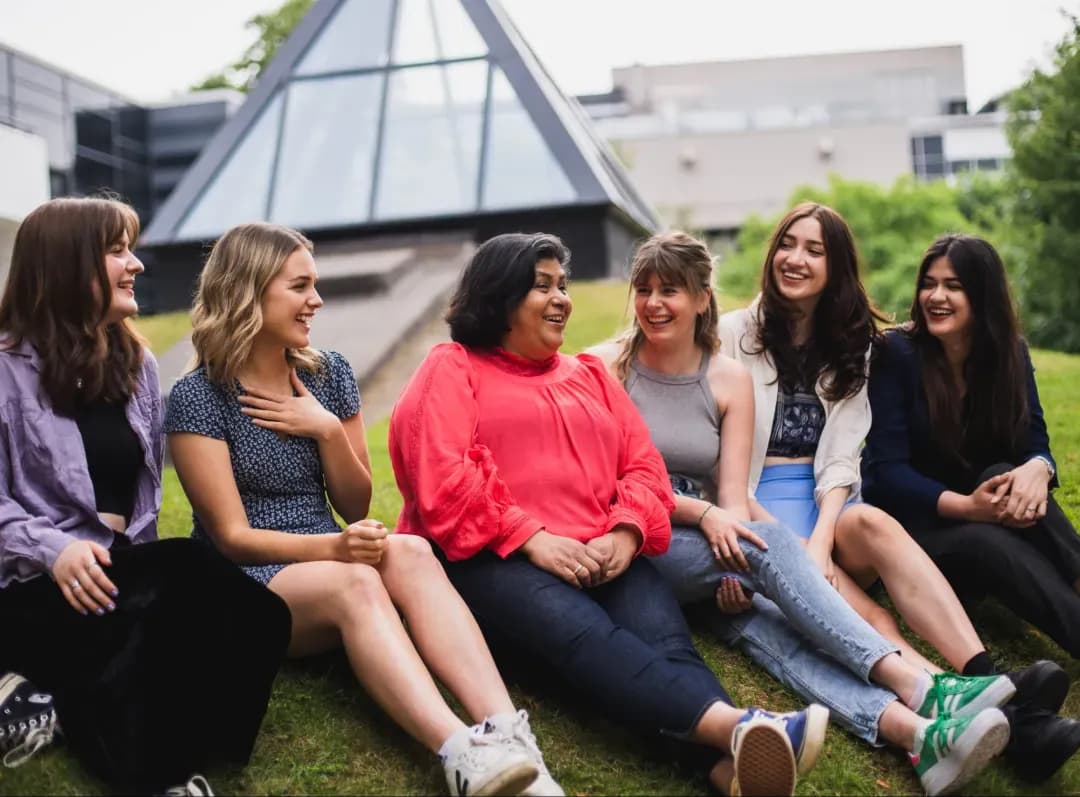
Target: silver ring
[[75, 584], [92, 565], [579, 568]]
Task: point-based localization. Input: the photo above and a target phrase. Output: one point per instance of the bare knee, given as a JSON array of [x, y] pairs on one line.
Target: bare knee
[[869, 527], [358, 588], [410, 553]]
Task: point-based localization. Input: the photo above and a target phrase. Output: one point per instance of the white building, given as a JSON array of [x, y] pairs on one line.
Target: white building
[[710, 143]]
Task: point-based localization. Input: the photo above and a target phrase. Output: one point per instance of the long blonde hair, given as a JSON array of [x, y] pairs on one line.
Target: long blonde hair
[[227, 313], [677, 258]]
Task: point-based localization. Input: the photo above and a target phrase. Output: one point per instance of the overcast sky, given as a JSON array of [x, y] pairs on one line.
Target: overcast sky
[[151, 49]]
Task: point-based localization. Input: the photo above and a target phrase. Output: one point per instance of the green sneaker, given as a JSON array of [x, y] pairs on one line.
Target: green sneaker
[[958, 696], [953, 750]]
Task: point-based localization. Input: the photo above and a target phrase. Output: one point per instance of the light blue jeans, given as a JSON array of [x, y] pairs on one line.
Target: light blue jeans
[[800, 630]]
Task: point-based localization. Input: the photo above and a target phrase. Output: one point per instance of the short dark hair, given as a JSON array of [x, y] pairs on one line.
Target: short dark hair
[[495, 281]]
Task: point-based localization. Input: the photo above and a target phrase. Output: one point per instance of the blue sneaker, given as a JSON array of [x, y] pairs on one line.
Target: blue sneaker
[[772, 750]]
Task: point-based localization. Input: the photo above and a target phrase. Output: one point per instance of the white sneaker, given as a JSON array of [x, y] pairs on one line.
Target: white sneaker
[[514, 728], [478, 763], [195, 787]]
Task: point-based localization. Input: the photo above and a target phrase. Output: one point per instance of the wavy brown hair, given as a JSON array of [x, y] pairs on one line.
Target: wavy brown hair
[[53, 300], [227, 312], [843, 326], [679, 259], [991, 422]]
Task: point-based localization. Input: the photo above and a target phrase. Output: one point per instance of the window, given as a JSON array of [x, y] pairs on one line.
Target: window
[[327, 151], [435, 110]]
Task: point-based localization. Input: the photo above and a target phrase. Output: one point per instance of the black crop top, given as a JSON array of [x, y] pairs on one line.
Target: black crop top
[[797, 423], [113, 455]]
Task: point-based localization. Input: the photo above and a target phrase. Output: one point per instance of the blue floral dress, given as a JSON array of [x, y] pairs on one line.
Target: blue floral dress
[[280, 480]]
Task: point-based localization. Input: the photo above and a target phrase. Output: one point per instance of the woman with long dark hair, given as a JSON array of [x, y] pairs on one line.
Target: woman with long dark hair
[[144, 644], [958, 449], [805, 341]]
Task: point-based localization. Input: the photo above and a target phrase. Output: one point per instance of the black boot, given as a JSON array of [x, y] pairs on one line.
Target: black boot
[[1043, 685], [1040, 741]]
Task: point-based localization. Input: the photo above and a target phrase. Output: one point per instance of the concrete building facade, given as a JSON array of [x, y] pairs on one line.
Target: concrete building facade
[[710, 143]]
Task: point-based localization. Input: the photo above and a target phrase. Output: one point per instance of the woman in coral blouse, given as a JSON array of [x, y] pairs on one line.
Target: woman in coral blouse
[[536, 477]]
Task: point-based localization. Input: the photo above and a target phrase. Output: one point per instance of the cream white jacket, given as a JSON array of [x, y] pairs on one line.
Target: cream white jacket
[[836, 463]]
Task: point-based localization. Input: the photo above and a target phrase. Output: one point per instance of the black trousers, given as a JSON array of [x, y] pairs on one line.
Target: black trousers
[[177, 678], [1030, 571]]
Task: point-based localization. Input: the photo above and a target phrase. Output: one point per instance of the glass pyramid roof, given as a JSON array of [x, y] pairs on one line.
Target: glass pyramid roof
[[380, 111]]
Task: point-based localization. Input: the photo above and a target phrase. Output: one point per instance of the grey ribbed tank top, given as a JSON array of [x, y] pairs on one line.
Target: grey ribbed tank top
[[684, 422]]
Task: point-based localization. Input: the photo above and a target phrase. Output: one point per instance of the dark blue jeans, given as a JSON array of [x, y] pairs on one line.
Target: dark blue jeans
[[624, 644]]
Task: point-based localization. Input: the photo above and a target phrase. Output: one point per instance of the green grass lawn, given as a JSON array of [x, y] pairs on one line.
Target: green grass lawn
[[323, 735], [164, 329]]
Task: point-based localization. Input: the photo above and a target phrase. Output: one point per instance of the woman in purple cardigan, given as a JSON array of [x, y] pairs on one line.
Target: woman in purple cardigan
[[160, 655]]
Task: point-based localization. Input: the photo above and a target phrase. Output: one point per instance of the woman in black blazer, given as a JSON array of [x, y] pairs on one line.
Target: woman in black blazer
[[958, 449]]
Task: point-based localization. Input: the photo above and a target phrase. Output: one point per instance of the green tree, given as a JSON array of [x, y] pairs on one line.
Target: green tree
[[1044, 218], [272, 29]]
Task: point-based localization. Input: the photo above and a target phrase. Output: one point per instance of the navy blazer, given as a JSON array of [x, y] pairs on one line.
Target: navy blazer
[[904, 471]]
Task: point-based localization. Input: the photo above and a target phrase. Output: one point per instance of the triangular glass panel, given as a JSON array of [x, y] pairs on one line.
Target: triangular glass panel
[[455, 34], [434, 30], [327, 151], [414, 38], [520, 169], [436, 111], [238, 192], [357, 36]]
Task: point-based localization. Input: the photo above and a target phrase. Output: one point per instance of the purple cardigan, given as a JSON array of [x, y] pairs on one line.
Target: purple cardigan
[[46, 497]]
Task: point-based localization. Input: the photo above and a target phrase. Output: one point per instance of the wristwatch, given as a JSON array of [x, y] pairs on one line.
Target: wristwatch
[[1048, 463]]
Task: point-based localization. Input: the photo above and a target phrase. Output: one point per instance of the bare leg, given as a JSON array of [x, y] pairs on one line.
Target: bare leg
[[869, 542], [721, 775], [716, 724], [336, 603], [898, 724], [882, 621], [442, 626]]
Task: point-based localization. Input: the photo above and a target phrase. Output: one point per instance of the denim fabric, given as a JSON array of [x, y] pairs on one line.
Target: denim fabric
[[809, 639], [625, 644]]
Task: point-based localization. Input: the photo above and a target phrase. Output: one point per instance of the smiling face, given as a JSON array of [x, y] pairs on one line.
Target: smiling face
[[800, 266], [667, 313], [945, 305], [538, 324], [121, 266], [290, 301]]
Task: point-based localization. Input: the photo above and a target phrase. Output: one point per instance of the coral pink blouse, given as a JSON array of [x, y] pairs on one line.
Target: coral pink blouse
[[488, 448]]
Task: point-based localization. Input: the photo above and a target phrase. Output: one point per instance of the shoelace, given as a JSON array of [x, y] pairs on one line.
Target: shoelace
[[524, 733], [36, 738], [196, 786]]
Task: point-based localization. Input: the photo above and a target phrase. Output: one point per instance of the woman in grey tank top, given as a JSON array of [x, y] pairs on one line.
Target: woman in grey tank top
[[790, 620]]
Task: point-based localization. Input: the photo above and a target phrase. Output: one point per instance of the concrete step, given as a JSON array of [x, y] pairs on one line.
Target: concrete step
[[367, 328], [364, 267]]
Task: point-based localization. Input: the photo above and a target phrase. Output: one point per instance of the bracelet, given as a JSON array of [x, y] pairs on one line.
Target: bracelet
[[703, 514], [1045, 461]]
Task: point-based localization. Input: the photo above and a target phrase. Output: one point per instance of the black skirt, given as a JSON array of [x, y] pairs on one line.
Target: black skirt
[[175, 679]]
